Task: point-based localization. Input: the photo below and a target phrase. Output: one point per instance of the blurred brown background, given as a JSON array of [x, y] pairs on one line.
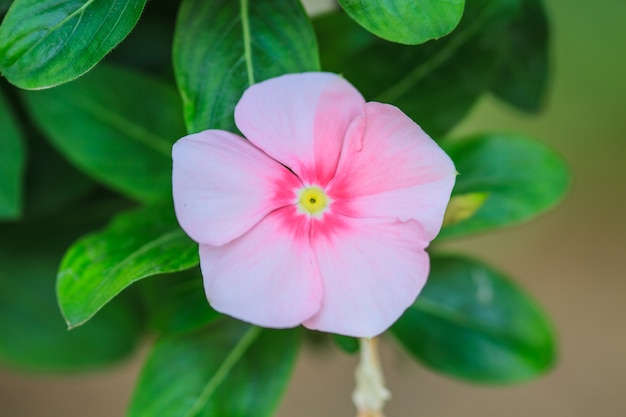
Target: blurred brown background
[[572, 260]]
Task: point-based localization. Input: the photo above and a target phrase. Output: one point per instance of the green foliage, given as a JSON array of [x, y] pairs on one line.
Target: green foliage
[[46, 43], [471, 322], [148, 48], [222, 46], [52, 184], [522, 78], [409, 22], [437, 83], [133, 246], [4, 5], [229, 369], [176, 302], [463, 206], [12, 159], [521, 178], [115, 125], [346, 343], [32, 333]]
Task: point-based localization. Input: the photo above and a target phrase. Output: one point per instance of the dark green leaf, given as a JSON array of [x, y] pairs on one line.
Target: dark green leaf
[[52, 184], [346, 343], [4, 5], [32, 332], [148, 47], [408, 22], [521, 177], [177, 302], [117, 126], [473, 323], [437, 83], [12, 160], [523, 77], [46, 43], [229, 369], [223, 46], [133, 246]]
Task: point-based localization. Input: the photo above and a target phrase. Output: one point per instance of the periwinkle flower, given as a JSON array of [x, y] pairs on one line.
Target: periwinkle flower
[[322, 215]]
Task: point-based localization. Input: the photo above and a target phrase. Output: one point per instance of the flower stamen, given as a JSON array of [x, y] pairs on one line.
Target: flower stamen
[[312, 200]]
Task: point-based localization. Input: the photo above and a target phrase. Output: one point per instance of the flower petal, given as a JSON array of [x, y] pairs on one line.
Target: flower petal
[[390, 168], [223, 185], [268, 276], [372, 270], [300, 120]]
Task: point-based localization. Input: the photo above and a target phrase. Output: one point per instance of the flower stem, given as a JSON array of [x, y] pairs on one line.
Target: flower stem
[[370, 394]]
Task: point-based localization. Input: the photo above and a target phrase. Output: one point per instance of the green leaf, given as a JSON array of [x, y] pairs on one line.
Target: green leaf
[[148, 48], [12, 161], [229, 369], [471, 322], [133, 246], [521, 177], [177, 302], [436, 83], [52, 184], [4, 5], [46, 43], [115, 125], [523, 77], [408, 22], [33, 335], [221, 47], [463, 206], [346, 343]]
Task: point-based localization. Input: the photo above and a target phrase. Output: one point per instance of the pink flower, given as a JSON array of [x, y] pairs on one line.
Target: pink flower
[[322, 215]]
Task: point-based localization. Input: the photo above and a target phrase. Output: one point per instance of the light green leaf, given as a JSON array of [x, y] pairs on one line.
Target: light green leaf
[[229, 369], [523, 77], [12, 161], [521, 177], [135, 245], [46, 43], [463, 206], [33, 335], [115, 125], [471, 322], [436, 83], [221, 47], [408, 22]]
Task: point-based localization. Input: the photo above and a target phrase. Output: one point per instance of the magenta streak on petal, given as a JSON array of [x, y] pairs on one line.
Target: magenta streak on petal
[[337, 107], [300, 120], [390, 168], [223, 185]]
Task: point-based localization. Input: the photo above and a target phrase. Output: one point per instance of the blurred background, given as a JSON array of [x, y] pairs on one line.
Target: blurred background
[[572, 260]]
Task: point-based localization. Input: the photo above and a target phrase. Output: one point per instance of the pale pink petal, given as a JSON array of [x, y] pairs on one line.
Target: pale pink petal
[[390, 168], [300, 120], [223, 185], [372, 270], [268, 276]]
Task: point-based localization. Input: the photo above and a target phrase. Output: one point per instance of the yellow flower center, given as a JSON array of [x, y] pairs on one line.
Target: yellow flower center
[[312, 200]]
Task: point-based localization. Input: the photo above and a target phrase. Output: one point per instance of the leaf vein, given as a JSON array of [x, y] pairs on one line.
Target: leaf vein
[[229, 363]]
